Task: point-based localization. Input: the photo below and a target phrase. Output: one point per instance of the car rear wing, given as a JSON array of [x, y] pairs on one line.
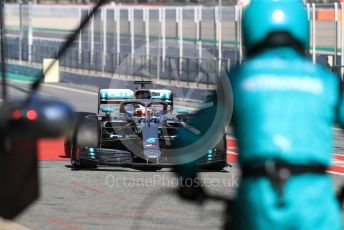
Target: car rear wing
[[143, 83], [114, 96]]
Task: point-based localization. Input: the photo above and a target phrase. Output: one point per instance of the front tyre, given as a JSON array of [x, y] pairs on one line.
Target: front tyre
[[86, 135], [221, 149], [68, 142]]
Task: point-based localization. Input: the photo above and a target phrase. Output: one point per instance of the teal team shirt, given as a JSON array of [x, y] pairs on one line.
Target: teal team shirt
[[284, 109]]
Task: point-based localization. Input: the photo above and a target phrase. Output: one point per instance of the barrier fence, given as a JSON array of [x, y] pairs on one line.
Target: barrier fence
[[157, 34], [327, 34], [125, 29], [120, 64]]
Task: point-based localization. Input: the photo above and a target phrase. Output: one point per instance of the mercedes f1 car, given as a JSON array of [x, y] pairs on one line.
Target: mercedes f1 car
[[133, 129]]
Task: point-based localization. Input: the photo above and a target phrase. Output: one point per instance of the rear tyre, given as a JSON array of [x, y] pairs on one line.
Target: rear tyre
[[68, 144], [86, 135]]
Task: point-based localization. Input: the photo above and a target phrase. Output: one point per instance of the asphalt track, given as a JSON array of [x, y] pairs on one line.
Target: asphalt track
[[118, 198]]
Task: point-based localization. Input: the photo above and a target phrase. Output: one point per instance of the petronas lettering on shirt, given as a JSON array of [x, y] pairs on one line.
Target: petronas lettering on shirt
[[287, 83]]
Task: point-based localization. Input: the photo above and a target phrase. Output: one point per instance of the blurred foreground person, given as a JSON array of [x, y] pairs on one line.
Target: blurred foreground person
[[284, 111]]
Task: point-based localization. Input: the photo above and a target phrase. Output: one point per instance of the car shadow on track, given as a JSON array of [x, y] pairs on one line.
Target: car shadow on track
[[111, 169], [137, 170]]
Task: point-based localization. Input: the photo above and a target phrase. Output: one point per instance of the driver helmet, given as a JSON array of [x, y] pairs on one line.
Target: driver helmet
[[140, 111]]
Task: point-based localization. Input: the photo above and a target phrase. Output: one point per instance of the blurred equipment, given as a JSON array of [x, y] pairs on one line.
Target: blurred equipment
[[22, 123], [191, 187], [18, 175], [20, 127]]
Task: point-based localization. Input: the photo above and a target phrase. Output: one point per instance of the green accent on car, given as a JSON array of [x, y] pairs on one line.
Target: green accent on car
[[107, 110], [182, 110]]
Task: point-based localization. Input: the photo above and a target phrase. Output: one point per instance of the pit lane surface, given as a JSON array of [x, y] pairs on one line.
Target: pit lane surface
[[112, 198]]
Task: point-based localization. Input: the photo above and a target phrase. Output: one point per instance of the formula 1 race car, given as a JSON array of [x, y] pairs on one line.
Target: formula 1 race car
[[133, 129]]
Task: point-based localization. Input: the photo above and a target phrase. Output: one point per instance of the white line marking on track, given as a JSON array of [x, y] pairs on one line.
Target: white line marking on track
[[337, 173], [231, 152], [10, 225], [71, 89]]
